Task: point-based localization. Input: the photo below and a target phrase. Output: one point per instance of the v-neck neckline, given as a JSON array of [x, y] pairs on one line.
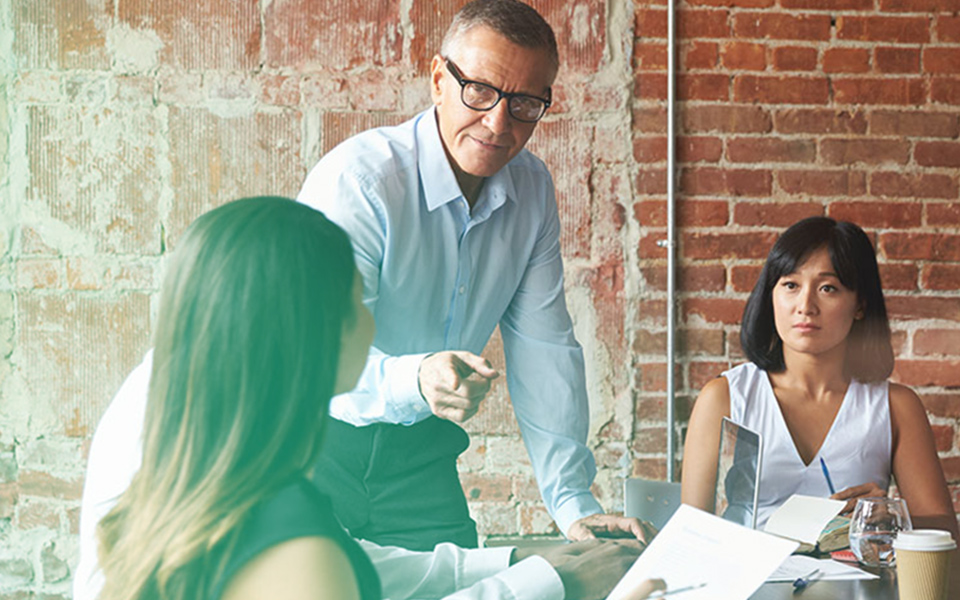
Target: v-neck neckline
[[786, 430]]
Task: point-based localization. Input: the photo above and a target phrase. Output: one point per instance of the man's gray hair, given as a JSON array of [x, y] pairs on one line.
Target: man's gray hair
[[518, 22]]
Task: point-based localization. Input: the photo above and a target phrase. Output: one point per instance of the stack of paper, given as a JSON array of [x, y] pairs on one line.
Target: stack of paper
[[800, 566]]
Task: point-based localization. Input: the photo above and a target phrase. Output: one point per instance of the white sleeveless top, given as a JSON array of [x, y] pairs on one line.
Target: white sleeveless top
[[857, 448]]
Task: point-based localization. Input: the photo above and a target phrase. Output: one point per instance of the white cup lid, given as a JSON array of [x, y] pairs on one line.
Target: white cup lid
[[924, 540]]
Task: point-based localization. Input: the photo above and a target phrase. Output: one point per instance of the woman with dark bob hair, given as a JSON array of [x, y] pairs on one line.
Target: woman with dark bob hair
[[816, 333]]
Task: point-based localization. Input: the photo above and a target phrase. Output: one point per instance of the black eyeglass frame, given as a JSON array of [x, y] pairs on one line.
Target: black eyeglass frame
[[455, 71]]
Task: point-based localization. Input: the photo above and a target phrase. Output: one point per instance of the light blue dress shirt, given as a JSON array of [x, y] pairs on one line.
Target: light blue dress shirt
[[438, 277]]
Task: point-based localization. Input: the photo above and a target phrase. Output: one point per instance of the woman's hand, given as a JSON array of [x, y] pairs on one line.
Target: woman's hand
[[852, 494]]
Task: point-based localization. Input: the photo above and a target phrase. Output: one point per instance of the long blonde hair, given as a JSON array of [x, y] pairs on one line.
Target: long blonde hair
[[244, 365]]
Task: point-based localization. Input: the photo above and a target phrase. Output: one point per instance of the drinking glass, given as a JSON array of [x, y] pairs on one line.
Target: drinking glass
[[874, 526]]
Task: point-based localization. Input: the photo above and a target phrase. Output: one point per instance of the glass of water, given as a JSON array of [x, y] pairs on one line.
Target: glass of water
[[874, 526]]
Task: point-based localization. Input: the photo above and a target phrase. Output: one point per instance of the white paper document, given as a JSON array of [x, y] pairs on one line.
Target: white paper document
[[695, 548], [802, 518], [800, 566]]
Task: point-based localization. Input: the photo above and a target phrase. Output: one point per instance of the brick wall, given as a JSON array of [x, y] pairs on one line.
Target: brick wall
[[122, 120]]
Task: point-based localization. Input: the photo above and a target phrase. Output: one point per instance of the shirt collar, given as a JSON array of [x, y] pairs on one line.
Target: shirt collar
[[434, 167]]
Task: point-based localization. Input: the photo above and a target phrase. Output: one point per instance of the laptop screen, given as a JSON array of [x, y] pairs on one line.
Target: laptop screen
[[738, 474]]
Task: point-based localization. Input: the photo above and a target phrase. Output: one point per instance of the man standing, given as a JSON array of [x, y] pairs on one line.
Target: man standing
[[455, 230]]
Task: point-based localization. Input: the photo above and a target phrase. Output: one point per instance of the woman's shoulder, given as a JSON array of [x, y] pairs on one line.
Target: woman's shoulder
[[311, 567]]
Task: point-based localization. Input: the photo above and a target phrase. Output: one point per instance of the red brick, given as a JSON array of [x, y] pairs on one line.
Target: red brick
[[649, 343], [714, 310], [650, 23], [649, 56], [710, 86], [650, 86], [846, 60], [941, 277], [690, 278], [879, 91], [702, 181], [917, 307], [823, 183], [9, 498], [942, 405], [693, 342], [901, 30], [820, 120], [897, 60], [649, 440], [36, 514], [699, 149], [940, 214], [839, 151], [340, 37], [744, 56], [216, 159], [535, 520], [113, 334], [38, 273], [702, 23], [943, 437], [897, 276], [876, 214], [650, 213], [280, 90], [726, 119], [744, 277], [702, 213], [945, 90], [117, 208], [832, 5], [650, 120], [177, 87], [581, 26], [951, 468], [766, 149], [651, 181], [648, 149], [941, 60], [781, 26], [948, 28], [921, 246], [230, 38], [652, 377], [937, 154], [910, 123], [920, 6], [649, 468], [926, 372], [651, 312], [649, 246], [486, 487], [697, 245], [781, 89], [61, 34], [701, 373], [700, 55], [917, 186], [794, 58], [774, 214], [927, 342], [35, 483]]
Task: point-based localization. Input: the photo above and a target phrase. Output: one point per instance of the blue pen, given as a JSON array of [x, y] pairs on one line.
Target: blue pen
[[826, 474], [801, 583]]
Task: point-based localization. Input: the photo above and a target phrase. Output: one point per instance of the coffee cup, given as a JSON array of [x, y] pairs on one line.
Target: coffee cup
[[923, 563]]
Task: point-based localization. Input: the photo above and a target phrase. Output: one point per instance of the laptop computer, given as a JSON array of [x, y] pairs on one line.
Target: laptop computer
[[738, 474]]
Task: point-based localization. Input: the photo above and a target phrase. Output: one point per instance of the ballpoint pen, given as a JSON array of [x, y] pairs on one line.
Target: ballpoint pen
[[662, 593], [801, 583], [826, 473]]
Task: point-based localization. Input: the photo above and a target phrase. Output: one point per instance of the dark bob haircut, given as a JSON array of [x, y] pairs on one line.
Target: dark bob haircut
[[869, 355]]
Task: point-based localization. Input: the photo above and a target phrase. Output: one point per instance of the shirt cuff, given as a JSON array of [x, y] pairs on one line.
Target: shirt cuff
[[575, 508], [403, 395], [481, 563], [533, 579]]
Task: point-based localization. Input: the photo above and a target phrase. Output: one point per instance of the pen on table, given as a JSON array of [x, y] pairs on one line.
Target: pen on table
[[801, 583], [662, 593], [826, 473]]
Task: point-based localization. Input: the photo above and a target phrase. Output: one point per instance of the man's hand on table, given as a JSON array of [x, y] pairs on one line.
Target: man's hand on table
[[607, 525], [453, 383], [590, 569]]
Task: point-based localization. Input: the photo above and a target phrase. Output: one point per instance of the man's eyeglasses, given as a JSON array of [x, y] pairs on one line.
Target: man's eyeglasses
[[483, 97]]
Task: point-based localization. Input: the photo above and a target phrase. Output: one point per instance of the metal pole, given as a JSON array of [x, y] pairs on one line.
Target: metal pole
[[671, 237]]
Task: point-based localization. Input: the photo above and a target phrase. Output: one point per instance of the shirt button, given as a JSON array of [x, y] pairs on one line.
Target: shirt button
[[463, 289]]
